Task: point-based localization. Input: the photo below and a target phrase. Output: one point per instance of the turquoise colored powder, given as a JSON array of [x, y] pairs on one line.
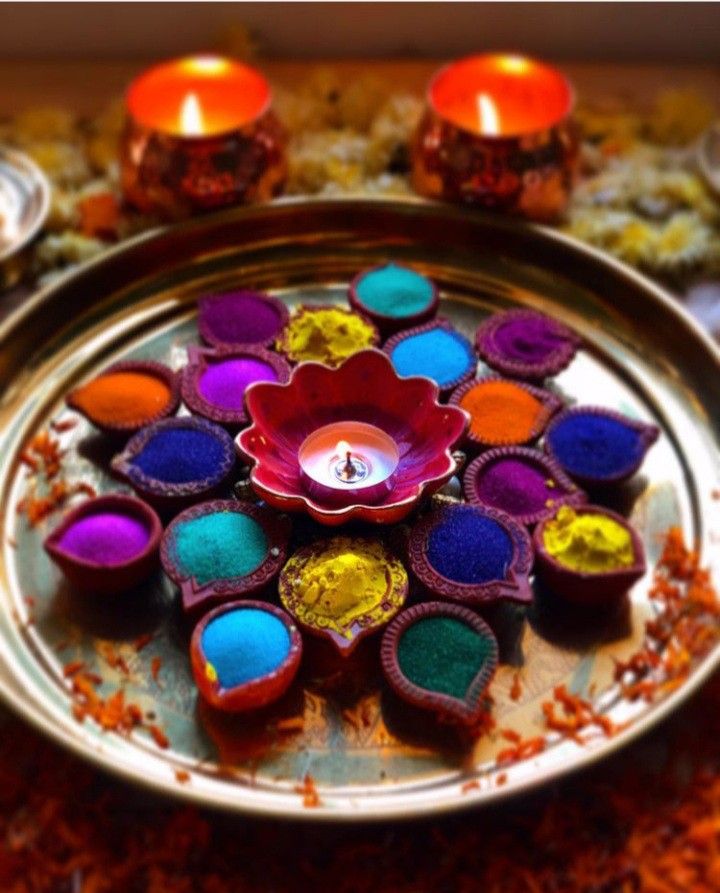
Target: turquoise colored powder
[[438, 353], [395, 291], [245, 644], [218, 546], [442, 654]]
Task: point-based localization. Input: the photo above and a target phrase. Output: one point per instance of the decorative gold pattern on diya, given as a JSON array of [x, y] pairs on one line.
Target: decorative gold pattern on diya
[[343, 588]]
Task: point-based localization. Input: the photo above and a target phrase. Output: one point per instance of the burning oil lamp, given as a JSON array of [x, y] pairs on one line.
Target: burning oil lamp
[[344, 472], [498, 133], [200, 134]]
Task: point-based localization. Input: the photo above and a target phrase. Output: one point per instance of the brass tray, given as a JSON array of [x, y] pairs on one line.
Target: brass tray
[[643, 355]]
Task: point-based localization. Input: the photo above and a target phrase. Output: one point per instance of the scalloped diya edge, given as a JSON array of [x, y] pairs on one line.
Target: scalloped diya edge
[[256, 692], [466, 710], [271, 443], [198, 597], [345, 639], [516, 585]]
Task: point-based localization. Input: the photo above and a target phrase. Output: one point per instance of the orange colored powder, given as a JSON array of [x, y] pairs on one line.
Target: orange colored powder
[[122, 398], [501, 412]]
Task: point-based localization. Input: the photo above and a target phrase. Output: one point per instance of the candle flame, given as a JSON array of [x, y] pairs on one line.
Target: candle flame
[[343, 448], [513, 64], [191, 116], [488, 115], [209, 65]]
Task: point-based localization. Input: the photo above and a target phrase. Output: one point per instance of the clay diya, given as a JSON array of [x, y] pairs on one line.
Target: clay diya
[[436, 350], [241, 318], [223, 549], [327, 334], [394, 297], [127, 396], [598, 447], [440, 657], [245, 655], [214, 381], [343, 589], [524, 483], [561, 568], [472, 554], [108, 544], [526, 344], [365, 390], [504, 412], [177, 461]]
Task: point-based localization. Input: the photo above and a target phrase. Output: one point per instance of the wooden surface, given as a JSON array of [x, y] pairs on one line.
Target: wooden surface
[[86, 86]]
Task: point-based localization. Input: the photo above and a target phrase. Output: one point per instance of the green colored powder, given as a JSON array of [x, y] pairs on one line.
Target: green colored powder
[[395, 291], [221, 545], [442, 654]]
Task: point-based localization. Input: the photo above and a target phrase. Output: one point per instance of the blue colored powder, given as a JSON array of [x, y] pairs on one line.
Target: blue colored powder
[[220, 545], [245, 644], [468, 547], [438, 354], [395, 291], [180, 455], [595, 446]]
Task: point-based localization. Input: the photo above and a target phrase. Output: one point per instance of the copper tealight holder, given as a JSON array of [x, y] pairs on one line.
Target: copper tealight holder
[[498, 133], [200, 134]]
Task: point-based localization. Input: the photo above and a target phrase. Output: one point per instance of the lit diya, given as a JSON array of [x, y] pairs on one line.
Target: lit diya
[[357, 441], [526, 344], [441, 657], [214, 381], [343, 589], [200, 134], [223, 549], [108, 544], [394, 297], [245, 655], [127, 396], [498, 133]]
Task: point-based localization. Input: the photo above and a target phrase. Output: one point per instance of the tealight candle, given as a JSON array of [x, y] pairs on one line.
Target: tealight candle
[[498, 133], [348, 463], [200, 134]]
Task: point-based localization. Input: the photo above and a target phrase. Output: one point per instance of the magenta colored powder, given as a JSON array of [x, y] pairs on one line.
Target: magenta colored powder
[[105, 538], [515, 487], [240, 317], [528, 340], [224, 383]]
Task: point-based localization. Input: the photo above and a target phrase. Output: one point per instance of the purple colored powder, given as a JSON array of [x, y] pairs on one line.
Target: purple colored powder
[[515, 487], [240, 317], [106, 538], [529, 339], [224, 383]]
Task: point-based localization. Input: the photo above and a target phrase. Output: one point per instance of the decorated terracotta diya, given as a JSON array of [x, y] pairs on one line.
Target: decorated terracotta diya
[[362, 395], [394, 297], [241, 318], [245, 655], [440, 657], [472, 554], [343, 589], [526, 344], [588, 555], [223, 549], [127, 396], [524, 483], [504, 412], [598, 447], [325, 334], [108, 544], [177, 461], [214, 381], [436, 350]]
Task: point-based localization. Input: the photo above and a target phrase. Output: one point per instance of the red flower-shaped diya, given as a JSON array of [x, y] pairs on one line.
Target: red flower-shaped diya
[[354, 442]]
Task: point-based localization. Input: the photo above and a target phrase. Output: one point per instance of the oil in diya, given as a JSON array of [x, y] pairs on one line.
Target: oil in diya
[[498, 133], [200, 134]]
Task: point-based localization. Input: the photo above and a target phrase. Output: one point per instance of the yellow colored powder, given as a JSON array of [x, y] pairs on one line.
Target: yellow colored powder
[[589, 543], [326, 335]]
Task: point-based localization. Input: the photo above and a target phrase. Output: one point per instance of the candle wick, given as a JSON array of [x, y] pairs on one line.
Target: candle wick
[[349, 467]]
